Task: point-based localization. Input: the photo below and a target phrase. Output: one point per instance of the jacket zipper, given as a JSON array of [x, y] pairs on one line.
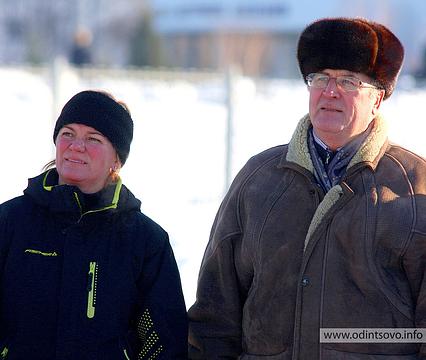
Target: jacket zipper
[[91, 289]]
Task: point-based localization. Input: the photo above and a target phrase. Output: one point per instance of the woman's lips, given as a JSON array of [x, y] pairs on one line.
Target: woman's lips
[[76, 161]]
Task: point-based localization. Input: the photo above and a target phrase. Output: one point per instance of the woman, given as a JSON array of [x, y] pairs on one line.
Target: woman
[[83, 273]]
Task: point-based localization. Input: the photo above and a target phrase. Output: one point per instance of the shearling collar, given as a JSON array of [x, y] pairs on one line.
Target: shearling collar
[[369, 152]]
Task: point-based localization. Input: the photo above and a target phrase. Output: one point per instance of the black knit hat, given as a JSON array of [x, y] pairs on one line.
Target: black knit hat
[[356, 45], [101, 112]]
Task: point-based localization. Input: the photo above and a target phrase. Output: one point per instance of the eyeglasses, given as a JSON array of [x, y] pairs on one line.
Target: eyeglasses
[[344, 82]]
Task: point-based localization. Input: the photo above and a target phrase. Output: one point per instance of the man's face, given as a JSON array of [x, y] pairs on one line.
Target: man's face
[[337, 116]]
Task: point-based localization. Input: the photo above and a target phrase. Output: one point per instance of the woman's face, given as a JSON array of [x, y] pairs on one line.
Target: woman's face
[[84, 157]]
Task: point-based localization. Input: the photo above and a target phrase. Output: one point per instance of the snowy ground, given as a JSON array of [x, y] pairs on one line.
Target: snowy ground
[[177, 161]]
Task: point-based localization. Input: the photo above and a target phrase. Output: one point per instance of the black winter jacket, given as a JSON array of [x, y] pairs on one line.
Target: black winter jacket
[[86, 277]]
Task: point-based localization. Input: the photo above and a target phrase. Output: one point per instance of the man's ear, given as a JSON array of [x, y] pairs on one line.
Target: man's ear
[[378, 96]]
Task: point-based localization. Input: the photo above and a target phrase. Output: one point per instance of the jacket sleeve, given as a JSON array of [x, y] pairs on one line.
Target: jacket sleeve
[[215, 319], [162, 328], [3, 240], [4, 250], [415, 267]]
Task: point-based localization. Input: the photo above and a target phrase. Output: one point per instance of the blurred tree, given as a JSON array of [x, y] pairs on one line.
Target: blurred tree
[[34, 53], [247, 51], [145, 45], [421, 72]]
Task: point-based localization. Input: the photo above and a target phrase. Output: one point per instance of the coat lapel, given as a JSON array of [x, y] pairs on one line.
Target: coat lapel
[[370, 151]]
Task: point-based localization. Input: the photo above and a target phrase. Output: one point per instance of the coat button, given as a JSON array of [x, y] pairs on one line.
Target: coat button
[[305, 281]]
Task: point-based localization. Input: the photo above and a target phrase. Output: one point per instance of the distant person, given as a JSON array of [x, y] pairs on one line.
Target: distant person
[[328, 231], [80, 54], [83, 273]]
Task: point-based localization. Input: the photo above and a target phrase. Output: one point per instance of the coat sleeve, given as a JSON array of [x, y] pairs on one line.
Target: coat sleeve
[[415, 267], [215, 319], [161, 326]]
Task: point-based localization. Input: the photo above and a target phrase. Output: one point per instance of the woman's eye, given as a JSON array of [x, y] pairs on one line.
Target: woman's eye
[[94, 139], [67, 134]]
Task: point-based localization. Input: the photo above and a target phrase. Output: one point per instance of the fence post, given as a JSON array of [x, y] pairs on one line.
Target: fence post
[[57, 68], [231, 76]]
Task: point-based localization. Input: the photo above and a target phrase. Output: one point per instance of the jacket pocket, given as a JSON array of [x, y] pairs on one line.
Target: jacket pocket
[[343, 355], [91, 289], [126, 355], [285, 355], [116, 349]]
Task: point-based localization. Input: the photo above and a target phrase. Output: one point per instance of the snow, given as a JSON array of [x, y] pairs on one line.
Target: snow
[[177, 161]]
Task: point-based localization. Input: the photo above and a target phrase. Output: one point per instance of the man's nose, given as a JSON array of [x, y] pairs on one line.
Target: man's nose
[[331, 89]]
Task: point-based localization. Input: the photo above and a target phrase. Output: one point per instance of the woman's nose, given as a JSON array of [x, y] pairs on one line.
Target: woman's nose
[[78, 145]]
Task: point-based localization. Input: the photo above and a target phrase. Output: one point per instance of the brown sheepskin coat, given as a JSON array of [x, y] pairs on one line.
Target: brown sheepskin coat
[[284, 259]]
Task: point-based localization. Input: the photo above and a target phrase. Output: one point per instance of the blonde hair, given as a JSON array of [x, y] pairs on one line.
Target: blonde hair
[[50, 165], [120, 102]]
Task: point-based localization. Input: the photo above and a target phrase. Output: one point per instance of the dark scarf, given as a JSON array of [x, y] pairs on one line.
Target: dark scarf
[[330, 166]]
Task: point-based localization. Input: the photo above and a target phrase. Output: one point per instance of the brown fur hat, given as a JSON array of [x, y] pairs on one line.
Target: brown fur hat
[[356, 45]]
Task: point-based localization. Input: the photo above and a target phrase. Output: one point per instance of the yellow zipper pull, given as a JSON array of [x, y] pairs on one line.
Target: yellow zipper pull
[[91, 288]]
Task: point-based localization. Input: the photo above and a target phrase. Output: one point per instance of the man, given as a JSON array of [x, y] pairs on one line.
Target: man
[[328, 231]]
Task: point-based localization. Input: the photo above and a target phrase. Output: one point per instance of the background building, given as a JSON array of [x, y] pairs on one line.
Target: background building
[[259, 36]]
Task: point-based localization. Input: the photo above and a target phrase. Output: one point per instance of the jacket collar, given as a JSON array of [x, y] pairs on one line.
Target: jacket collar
[[370, 151], [45, 191], [103, 200]]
